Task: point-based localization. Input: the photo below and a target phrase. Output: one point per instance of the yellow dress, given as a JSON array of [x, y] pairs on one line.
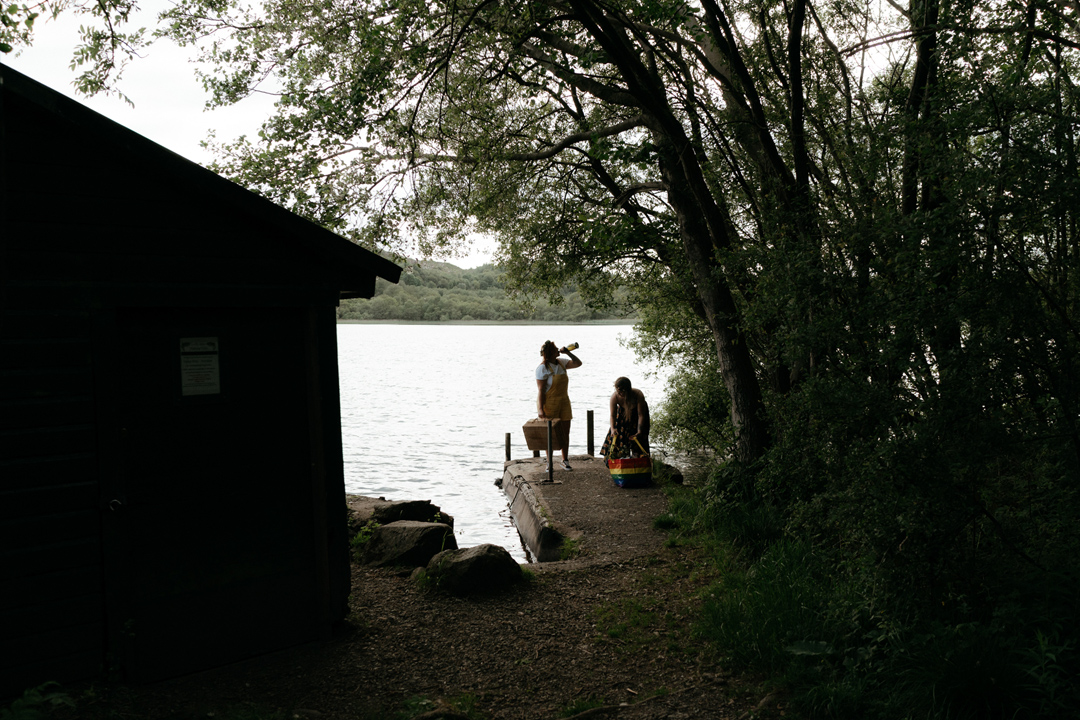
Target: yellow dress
[[556, 399]]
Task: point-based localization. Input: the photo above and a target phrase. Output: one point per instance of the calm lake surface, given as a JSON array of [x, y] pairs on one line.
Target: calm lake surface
[[425, 410]]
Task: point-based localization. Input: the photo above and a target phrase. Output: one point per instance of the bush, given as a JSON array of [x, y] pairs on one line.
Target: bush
[[694, 416], [769, 612], [845, 639], [37, 703]]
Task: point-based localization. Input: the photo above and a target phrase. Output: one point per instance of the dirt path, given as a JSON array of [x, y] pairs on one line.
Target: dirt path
[[611, 628]]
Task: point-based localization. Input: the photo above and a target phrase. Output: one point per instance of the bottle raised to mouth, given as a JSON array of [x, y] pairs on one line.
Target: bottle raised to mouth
[[572, 346]]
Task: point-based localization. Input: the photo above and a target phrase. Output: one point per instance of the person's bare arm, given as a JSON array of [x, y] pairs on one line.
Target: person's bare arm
[[541, 396], [574, 362]]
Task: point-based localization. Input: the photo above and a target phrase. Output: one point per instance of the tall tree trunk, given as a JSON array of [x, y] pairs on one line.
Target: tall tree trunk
[[702, 228], [732, 350]]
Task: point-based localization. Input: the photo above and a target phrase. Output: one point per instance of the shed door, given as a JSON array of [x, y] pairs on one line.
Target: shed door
[[212, 534]]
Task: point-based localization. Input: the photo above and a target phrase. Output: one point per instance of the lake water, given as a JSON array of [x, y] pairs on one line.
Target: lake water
[[425, 410]]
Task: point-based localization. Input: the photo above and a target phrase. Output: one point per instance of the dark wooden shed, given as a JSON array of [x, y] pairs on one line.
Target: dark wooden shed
[[171, 486]]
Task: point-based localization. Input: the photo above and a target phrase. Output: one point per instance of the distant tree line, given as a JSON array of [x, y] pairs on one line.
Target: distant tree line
[[441, 292]]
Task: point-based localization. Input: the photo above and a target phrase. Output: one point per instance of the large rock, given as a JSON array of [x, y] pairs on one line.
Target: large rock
[[407, 542], [364, 510], [481, 569], [662, 472]]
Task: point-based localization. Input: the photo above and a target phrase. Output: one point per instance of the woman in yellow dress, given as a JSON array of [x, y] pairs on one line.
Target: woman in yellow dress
[[552, 400]]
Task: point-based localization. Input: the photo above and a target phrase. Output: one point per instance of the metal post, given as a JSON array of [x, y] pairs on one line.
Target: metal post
[[507, 447], [551, 468], [589, 423]]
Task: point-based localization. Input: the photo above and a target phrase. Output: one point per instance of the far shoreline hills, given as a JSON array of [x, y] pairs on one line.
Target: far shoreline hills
[[441, 293], [610, 321]]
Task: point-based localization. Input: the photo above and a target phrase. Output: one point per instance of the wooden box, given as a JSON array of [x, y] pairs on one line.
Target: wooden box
[[536, 434]]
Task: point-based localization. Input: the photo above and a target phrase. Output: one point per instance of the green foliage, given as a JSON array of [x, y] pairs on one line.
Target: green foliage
[[569, 548], [765, 617], [458, 706], [664, 474], [425, 580], [16, 25], [413, 706], [465, 704], [626, 616], [37, 703], [1053, 687], [432, 578], [694, 417], [439, 292], [581, 705], [360, 540], [665, 522], [105, 47], [251, 711], [847, 643]]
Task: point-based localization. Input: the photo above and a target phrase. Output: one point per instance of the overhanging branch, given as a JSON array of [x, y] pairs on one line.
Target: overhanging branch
[[636, 121]]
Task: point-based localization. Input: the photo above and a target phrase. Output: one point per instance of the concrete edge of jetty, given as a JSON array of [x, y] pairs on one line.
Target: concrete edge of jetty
[[610, 523]]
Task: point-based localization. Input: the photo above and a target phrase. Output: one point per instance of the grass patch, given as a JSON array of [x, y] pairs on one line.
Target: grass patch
[[570, 548], [666, 521], [626, 617], [655, 620], [463, 705], [581, 705], [359, 542], [252, 711], [761, 618], [37, 702]]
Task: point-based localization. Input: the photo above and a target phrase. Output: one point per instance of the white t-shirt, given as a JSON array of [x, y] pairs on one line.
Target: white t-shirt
[[546, 372]]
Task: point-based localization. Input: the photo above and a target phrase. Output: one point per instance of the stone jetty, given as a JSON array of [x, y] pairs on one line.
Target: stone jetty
[[578, 517], [581, 517]]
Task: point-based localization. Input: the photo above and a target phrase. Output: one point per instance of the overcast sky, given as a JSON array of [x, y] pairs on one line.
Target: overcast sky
[[169, 100]]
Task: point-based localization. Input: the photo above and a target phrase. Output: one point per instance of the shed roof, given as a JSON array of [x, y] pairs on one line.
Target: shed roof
[[354, 267]]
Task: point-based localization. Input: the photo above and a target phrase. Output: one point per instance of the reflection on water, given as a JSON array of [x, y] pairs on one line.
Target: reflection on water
[[425, 410]]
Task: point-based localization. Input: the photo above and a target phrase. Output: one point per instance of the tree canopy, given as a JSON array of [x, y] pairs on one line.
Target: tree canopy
[[774, 164], [821, 184]]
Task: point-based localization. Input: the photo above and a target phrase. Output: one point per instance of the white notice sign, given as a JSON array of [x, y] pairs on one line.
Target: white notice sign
[[200, 372]]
